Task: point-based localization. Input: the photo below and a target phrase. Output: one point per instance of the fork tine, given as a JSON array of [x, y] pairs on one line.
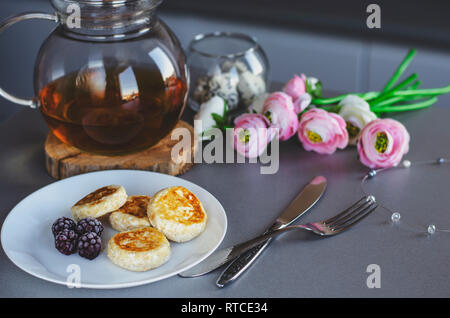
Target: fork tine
[[350, 209], [351, 214], [362, 215]]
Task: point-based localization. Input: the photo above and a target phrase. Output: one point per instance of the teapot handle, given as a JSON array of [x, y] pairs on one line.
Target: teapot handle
[[34, 102]]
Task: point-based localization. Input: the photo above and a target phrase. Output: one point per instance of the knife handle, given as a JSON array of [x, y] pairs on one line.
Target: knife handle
[[241, 263]]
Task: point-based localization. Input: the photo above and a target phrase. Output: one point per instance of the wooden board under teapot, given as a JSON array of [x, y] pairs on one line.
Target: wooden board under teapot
[[63, 161]]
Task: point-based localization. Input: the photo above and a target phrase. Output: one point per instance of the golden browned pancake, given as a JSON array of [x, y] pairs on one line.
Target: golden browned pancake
[[100, 202], [136, 205], [139, 250], [132, 215], [178, 213]]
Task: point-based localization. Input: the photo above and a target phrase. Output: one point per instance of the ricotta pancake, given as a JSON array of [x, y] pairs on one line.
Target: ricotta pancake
[[132, 215], [100, 202], [177, 213], [139, 250]]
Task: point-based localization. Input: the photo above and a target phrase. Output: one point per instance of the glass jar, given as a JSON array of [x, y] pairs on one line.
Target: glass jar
[[230, 65], [111, 78]]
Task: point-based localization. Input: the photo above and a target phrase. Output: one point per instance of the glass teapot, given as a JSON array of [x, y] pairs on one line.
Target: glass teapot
[[111, 78]]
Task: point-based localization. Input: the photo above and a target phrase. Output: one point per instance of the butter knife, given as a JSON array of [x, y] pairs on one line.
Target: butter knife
[[300, 205]]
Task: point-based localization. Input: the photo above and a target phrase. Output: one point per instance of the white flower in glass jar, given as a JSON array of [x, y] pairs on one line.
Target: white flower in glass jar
[[224, 85], [250, 86], [357, 114]]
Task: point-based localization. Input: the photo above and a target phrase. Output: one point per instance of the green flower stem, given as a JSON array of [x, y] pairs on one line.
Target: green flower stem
[[389, 93], [386, 102], [333, 109], [402, 108], [337, 99], [328, 101], [424, 92], [415, 85], [411, 94], [392, 100], [400, 70], [369, 96], [405, 83], [402, 85]]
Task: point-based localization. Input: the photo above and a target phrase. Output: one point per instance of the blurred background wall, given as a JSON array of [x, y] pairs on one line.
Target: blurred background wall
[[327, 39]]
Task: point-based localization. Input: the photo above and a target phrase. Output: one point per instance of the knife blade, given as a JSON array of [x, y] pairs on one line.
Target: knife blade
[[300, 205]]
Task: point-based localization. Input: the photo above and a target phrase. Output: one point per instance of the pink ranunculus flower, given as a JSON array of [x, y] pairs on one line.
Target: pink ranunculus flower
[[322, 132], [382, 143], [302, 102], [280, 98], [296, 86], [279, 110], [252, 134]]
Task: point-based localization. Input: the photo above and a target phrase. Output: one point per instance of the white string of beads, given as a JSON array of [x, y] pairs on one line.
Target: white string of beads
[[396, 216]]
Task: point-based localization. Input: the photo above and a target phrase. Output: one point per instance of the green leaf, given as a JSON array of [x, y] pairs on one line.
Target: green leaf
[[218, 119], [222, 121], [314, 92]]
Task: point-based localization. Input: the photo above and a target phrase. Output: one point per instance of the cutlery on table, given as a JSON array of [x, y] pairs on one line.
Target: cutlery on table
[[329, 227], [310, 194]]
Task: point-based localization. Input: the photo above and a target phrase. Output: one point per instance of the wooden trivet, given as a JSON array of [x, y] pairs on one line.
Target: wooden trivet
[[63, 161]]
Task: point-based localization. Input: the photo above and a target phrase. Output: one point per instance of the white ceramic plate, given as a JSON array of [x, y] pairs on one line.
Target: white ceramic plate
[[28, 241]]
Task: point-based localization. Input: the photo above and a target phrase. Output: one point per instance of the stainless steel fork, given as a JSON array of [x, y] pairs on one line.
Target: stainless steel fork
[[329, 227], [332, 226]]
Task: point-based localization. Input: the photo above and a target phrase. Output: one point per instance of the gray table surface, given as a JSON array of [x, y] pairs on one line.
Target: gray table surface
[[297, 264]]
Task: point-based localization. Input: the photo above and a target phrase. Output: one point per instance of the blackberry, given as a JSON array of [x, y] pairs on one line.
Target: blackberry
[[63, 223], [66, 241], [88, 225], [89, 245]]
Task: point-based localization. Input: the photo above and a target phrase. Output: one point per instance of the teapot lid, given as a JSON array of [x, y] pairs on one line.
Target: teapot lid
[[105, 2], [105, 20]]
